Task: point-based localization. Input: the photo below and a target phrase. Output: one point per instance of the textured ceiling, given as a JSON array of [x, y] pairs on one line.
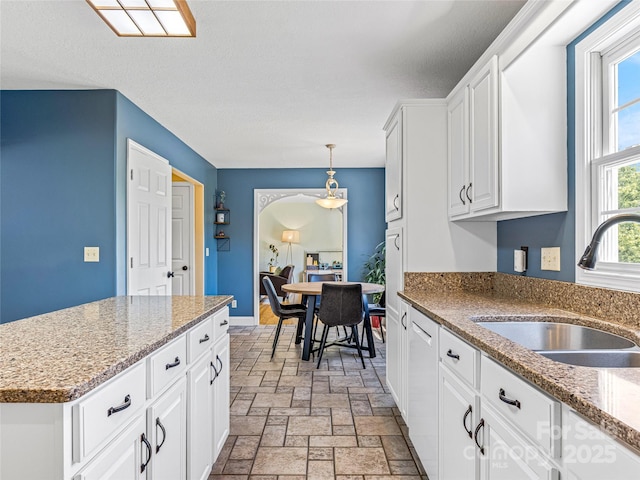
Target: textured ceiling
[[264, 83]]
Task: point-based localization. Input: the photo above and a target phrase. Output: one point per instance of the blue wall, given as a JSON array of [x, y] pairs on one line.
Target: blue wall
[[365, 229], [63, 186], [57, 176], [556, 230], [135, 124]]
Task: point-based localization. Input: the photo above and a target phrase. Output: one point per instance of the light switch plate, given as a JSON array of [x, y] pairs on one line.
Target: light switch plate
[[91, 254], [550, 259]]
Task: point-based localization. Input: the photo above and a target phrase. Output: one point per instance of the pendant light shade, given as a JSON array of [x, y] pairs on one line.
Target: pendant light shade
[[331, 201]]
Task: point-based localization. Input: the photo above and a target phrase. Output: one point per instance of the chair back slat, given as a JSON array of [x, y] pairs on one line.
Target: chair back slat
[[276, 308]]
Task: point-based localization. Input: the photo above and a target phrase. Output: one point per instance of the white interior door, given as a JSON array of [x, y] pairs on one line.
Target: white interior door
[[182, 238], [148, 222]]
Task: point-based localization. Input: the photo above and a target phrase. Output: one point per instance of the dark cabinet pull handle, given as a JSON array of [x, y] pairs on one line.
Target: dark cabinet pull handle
[[175, 363], [169, 274], [460, 195], [205, 338], [394, 202], [467, 193], [395, 242], [119, 408], [475, 435], [404, 315], [450, 354], [222, 324], [464, 422], [215, 374], [144, 440], [164, 434], [218, 361], [501, 395]]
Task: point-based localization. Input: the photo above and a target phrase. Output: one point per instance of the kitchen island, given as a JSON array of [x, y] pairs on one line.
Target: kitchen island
[[87, 387], [606, 397]]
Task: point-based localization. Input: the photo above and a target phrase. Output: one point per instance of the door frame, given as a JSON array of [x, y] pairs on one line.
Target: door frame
[[264, 197]]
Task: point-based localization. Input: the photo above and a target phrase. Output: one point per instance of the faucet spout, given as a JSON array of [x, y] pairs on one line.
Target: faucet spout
[[589, 257]]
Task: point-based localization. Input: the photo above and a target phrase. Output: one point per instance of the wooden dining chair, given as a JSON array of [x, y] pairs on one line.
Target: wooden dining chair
[[283, 312], [341, 306]]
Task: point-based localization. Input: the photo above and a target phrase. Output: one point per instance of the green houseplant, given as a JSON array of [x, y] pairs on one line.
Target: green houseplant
[[374, 268], [273, 261]]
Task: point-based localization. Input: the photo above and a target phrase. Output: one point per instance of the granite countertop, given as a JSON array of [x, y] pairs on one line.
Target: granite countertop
[[60, 356], [608, 397]]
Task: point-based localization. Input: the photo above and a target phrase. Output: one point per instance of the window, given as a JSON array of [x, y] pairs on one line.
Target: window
[[608, 147]]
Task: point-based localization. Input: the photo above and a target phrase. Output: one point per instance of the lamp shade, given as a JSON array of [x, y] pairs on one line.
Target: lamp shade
[[291, 236]]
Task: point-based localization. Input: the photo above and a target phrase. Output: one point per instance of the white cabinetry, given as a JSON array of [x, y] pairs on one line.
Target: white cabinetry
[[393, 170], [422, 389], [165, 417]]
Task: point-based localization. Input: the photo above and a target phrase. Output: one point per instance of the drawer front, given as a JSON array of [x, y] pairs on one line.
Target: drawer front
[[200, 339], [522, 405], [166, 365], [459, 356], [220, 323], [99, 414]]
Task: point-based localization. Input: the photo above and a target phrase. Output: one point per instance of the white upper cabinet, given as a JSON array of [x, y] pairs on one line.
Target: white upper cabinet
[[393, 170]]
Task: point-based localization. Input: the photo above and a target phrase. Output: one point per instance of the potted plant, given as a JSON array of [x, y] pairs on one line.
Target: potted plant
[[374, 268], [273, 261]]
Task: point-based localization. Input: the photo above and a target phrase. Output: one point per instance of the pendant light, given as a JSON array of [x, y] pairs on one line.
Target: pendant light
[[331, 185]]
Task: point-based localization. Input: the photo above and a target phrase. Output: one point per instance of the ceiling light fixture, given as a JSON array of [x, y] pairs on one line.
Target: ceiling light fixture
[[331, 185], [147, 18]]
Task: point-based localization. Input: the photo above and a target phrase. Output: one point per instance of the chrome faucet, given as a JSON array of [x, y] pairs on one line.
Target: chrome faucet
[[589, 257]]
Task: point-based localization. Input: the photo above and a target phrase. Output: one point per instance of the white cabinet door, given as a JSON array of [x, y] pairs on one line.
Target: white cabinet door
[[394, 268], [199, 419], [393, 339], [167, 427], [589, 454], [482, 190], [393, 169], [458, 419], [220, 395], [507, 456], [123, 458], [458, 125], [422, 390], [404, 360], [395, 331]]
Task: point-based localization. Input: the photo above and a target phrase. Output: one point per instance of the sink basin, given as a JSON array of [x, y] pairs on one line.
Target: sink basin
[[597, 359], [539, 336]]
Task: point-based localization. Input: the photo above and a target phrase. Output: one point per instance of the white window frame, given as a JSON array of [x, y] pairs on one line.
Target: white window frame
[[589, 138]]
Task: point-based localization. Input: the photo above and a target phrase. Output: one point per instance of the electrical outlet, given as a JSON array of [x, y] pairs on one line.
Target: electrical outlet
[[550, 259], [91, 254], [234, 304]]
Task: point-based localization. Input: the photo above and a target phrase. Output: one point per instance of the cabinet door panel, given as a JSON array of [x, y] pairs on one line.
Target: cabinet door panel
[[393, 170], [458, 416], [458, 121], [199, 419], [221, 396], [483, 141]]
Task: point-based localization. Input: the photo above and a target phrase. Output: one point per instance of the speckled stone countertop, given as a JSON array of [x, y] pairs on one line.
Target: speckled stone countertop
[[608, 397], [60, 356]]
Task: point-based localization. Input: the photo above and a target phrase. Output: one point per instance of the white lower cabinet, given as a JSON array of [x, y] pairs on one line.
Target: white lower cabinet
[[459, 408], [167, 427], [126, 458], [505, 455], [200, 417], [221, 388], [397, 355]]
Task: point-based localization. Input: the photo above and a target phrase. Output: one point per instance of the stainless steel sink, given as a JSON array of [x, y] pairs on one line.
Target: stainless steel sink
[[597, 359], [539, 336]]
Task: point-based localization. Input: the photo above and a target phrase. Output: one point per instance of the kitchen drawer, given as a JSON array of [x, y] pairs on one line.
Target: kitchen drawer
[[102, 412], [459, 356], [522, 405], [166, 365], [220, 323], [200, 339]]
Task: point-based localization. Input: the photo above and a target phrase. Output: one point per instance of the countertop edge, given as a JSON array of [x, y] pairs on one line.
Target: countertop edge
[[73, 393]]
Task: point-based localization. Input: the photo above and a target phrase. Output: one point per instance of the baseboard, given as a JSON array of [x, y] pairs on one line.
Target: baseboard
[[242, 321]]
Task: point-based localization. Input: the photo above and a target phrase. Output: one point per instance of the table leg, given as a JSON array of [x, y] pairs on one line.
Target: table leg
[[308, 327], [367, 328]]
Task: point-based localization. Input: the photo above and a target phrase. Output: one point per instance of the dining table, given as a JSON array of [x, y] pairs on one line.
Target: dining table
[[311, 290]]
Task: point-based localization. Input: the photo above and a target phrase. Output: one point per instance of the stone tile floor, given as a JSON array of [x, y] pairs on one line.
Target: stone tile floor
[[290, 421]]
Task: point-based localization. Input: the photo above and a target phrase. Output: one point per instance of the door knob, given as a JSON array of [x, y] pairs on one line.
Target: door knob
[[185, 267], [169, 274]]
